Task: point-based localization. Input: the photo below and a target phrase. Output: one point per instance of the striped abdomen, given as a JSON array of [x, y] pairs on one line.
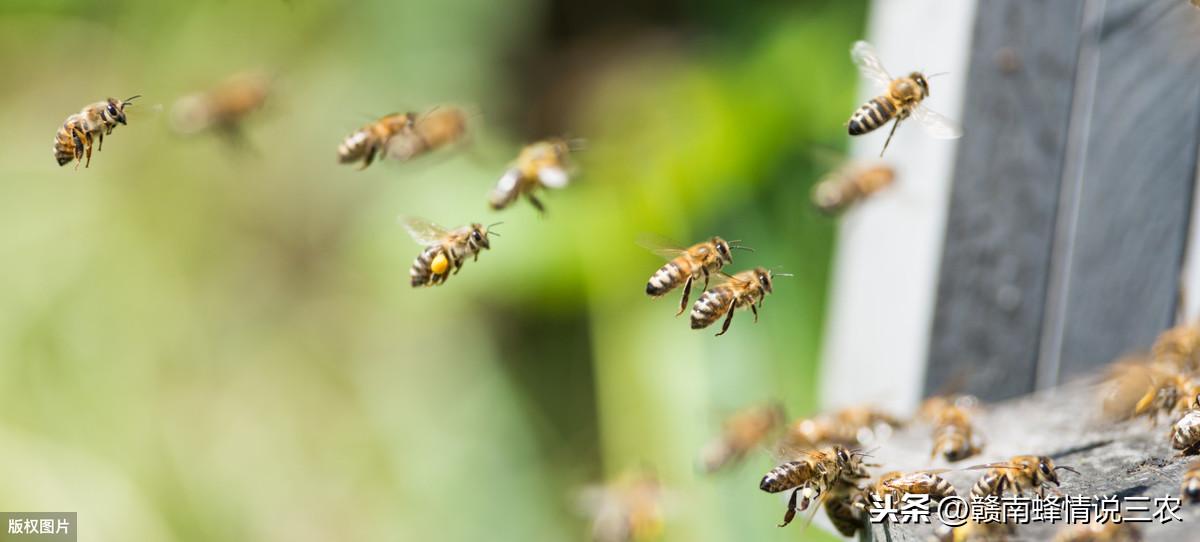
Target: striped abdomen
[[68, 142], [940, 488], [991, 483], [712, 305], [356, 146], [786, 476], [430, 268], [669, 276], [872, 115], [1191, 483]]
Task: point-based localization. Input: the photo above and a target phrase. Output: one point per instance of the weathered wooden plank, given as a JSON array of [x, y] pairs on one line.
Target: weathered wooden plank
[[1000, 229], [1136, 182]]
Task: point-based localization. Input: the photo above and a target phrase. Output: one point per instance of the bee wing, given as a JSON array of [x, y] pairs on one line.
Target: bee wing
[[992, 466], [423, 231], [662, 246], [553, 177], [868, 63], [936, 124]]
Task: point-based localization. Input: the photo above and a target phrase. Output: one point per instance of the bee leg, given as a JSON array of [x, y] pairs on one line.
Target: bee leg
[[370, 157], [687, 292], [754, 310], [536, 202], [705, 271], [890, 134], [89, 149], [728, 319], [458, 265], [791, 509], [100, 147]]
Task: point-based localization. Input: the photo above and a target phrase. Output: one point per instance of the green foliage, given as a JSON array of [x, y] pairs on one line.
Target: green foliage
[[204, 344]]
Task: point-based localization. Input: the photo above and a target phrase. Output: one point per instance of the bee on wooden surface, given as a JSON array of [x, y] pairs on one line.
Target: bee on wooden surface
[[743, 290], [743, 432], [1018, 474], [628, 509], [926, 482], [1100, 532], [855, 425], [954, 435], [849, 185], [73, 141], [440, 127], [686, 265], [222, 108], [539, 165], [845, 505], [812, 474], [1178, 347], [1190, 488], [445, 250], [901, 99], [371, 140], [975, 532], [1185, 434]]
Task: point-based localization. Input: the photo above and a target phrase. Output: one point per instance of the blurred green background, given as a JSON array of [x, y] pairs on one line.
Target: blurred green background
[[199, 344]]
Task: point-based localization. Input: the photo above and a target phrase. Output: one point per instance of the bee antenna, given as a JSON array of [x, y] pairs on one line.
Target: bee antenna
[[1066, 468], [493, 225], [576, 144], [131, 98], [740, 247], [931, 76], [782, 275]]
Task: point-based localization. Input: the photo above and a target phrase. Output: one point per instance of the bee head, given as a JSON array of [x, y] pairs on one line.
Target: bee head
[[722, 249], [764, 277], [921, 82], [116, 108], [479, 236]]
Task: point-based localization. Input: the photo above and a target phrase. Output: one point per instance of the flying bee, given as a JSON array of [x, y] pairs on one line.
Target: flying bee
[[1190, 489], [440, 127], [742, 432], [849, 426], [812, 474], [901, 99], [927, 482], [445, 250], [1185, 434], [1100, 532], [954, 435], [745, 289], [74, 139], [628, 509], [370, 140], [539, 165], [1018, 474], [687, 265], [222, 108], [1178, 347], [849, 185]]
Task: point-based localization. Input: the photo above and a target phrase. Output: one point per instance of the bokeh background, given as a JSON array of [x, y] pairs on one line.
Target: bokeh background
[[201, 343]]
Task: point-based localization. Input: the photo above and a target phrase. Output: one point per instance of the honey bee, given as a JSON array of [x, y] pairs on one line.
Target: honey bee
[[539, 165], [445, 250], [849, 185], [927, 482], [438, 128], [975, 532], [742, 433], [812, 474], [74, 139], [1178, 347], [1100, 532], [848, 426], [1185, 434], [953, 433], [1169, 393], [901, 99], [222, 108], [372, 139], [1190, 489], [1018, 474], [628, 509], [686, 265], [845, 506], [745, 289]]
